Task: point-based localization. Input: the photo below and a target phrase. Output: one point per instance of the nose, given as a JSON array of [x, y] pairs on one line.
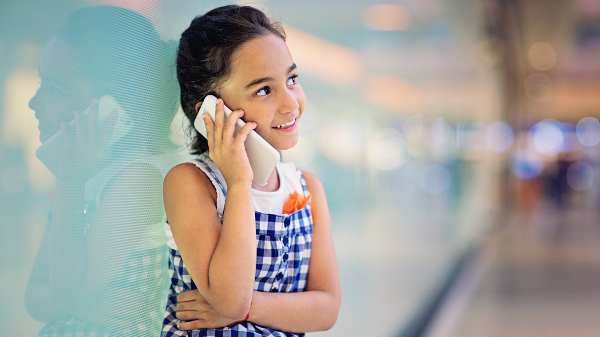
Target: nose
[[288, 103], [35, 101]]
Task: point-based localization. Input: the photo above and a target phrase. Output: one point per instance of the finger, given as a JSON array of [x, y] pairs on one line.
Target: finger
[[80, 126], [193, 325], [229, 129], [93, 119], [108, 129], [210, 130], [67, 133], [184, 306], [244, 131], [219, 121], [186, 296], [189, 315]]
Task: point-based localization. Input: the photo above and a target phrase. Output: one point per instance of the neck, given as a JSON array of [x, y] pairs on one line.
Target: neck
[[272, 184]]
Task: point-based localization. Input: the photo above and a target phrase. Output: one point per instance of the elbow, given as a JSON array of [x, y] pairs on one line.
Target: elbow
[[32, 306], [233, 305], [329, 322], [60, 300], [236, 310], [332, 315]]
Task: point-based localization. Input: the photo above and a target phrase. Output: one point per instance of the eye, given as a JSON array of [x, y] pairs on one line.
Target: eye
[[292, 80], [263, 91]]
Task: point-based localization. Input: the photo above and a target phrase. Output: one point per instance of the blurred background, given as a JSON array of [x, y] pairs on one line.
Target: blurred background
[[457, 142]]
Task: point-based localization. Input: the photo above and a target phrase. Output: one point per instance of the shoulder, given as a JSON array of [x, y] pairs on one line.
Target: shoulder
[[183, 173], [186, 178]]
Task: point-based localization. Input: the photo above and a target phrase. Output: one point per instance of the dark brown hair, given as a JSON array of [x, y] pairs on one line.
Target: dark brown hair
[[205, 53]]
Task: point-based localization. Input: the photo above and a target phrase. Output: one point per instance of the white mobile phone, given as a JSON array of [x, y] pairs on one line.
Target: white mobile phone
[[49, 153], [261, 154]]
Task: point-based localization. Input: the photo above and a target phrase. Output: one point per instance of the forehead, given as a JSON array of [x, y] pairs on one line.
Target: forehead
[[264, 56]]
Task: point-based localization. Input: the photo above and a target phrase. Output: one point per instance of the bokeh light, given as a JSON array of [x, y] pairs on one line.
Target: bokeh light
[[547, 137], [343, 141], [441, 131], [541, 56], [474, 136], [386, 150], [499, 137], [570, 142], [527, 164], [538, 87], [413, 129], [588, 131]]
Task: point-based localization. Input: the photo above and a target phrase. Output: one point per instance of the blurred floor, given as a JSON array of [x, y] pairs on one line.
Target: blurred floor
[[542, 276]]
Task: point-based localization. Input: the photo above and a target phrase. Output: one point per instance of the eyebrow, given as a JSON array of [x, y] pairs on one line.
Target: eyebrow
[[267, 79]]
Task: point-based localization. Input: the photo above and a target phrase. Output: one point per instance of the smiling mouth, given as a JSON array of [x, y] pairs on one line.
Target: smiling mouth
[[285, 125]]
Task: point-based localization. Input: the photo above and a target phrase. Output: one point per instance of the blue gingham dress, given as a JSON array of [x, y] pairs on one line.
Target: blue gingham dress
[[282, 258]]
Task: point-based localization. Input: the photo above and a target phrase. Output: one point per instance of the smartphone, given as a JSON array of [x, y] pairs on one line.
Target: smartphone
[[50, 151], [261, 154]]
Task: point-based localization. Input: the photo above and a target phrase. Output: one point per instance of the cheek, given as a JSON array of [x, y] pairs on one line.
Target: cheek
[[263, 130], [59, 111]]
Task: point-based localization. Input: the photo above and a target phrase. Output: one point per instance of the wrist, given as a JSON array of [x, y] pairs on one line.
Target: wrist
[[239, 185]]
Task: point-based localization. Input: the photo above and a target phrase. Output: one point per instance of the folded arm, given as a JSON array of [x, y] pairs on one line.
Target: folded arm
[[72, 271], [315, 309], [220, 259]]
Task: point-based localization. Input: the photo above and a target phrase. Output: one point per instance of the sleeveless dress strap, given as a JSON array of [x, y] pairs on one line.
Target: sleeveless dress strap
[[303, 183], [214, 175]]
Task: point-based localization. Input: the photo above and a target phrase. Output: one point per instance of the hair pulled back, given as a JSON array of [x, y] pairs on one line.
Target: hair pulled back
[[205, 53], [122, 55]]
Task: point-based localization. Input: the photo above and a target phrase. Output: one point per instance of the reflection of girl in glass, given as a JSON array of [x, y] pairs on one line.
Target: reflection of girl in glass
[[100, 266], [243, 263]]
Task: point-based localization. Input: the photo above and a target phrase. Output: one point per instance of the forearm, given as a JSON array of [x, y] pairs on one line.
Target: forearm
[[232, 267], [67, 245], [295, 312], [38, 302]]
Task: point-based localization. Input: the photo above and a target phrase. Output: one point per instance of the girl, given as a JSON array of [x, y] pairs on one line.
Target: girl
[[102, 253], [241, 265]]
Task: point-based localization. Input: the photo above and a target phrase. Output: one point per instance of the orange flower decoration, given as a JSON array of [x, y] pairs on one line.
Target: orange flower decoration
[[297, 202]]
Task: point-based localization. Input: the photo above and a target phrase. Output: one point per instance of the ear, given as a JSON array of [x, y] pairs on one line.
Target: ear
[[198, 105]]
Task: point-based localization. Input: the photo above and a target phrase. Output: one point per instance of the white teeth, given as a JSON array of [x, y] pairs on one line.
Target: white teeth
[[286, 124]]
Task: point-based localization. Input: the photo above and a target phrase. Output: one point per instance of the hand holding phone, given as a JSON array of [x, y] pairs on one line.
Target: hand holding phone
[[49, 152], [261, 155]]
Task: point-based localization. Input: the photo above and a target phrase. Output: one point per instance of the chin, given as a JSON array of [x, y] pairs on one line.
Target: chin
[[44, 138], [288, 146]]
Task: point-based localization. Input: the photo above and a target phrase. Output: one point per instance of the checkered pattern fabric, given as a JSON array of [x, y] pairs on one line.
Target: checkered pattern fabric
[[141, 278], [283, 254]]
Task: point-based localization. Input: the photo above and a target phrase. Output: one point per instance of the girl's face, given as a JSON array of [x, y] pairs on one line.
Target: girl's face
[[263, 84], [62, 89]]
